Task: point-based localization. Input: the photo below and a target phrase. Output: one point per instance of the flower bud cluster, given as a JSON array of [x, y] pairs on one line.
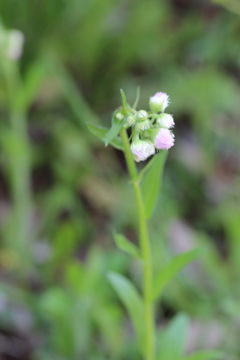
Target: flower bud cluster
[[151, 130]]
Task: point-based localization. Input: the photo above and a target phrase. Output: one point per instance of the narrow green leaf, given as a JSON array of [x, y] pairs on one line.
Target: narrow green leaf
[[125, 245], [206, 355], [132, 301], [114, 130], [124, 100], [146, 168], [175, 265], [173, 339], [152, 182], [137, 98], [100, 132]]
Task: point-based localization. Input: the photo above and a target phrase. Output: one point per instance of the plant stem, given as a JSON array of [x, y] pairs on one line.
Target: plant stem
[[145, 251], [19, 171]]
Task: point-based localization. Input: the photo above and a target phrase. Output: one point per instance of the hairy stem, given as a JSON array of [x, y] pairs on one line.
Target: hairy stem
[[145, 252]]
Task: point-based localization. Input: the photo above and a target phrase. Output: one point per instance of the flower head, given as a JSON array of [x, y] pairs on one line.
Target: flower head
[[141, 150], [159, 102], [165, 120], [164, 139]]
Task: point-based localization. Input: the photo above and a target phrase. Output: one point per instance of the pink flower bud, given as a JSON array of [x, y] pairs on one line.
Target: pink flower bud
[[159, 102], [164, 139], [141, 150]]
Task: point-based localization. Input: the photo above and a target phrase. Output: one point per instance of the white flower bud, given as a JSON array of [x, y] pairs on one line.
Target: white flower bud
[[119, 116], [166, 121], [15, 44], [142, 115], [141, 150], [159, 102], [143, 125]]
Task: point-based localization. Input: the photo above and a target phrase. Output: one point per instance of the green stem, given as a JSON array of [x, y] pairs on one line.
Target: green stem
[[145, 252], [19, 170]]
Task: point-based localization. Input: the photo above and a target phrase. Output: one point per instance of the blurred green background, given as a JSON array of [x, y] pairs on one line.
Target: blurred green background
[[62, 192]]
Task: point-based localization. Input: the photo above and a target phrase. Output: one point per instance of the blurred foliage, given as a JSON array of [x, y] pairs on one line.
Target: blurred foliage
[[56, 242]]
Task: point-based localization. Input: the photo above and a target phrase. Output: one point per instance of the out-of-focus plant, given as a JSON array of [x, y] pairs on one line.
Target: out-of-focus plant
[[150, 132]]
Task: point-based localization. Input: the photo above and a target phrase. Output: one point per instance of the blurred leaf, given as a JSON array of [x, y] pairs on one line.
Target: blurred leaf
[[115, 128], [125, 245], [100, 132], [131, 299], [71, 92], [173, 339], [152, 182], [206, 355], [175, 265], [36, 74]]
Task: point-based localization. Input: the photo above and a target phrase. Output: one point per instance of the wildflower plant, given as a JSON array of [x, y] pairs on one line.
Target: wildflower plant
[[140, 135]]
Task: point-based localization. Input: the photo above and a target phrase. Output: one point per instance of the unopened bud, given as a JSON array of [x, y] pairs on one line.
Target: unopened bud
[[142, 115], [119, 116], [159, 102], [142, 125], [164, 139], [141, 150], [15, 44], [166, 121]]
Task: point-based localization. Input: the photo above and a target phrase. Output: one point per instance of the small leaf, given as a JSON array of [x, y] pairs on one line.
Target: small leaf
[[206, 355], [125, 245], [124, 100], [175, 265], [115, 128], [132, 301], [100, 132], [173, 339], [152, 182], [137, 98]]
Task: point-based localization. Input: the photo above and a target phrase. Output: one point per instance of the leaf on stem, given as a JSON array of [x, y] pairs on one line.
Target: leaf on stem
[[137, 99], [100, 132], [132, 301], [124, 100], [125, 245], [152, 182], [115, 128], [175, 265], [206, 355], [173, 339]]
